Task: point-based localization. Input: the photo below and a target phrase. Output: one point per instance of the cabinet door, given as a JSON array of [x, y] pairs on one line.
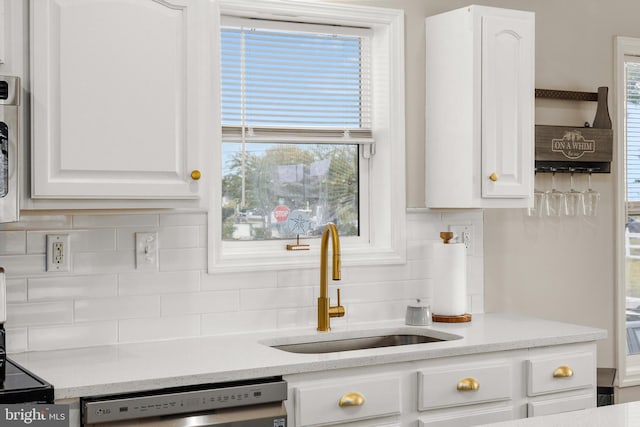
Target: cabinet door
[[114, 98], [507, 106]]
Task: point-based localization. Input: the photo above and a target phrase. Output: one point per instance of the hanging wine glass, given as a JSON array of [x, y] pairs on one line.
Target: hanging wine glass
[[539, 202], [573, 201], [591, 198], [555, 198]]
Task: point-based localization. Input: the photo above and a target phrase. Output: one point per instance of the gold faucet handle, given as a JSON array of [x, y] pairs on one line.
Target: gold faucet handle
[[337, 310]]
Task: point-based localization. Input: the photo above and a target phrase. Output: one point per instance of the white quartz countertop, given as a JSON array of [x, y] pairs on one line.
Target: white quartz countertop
[[152, 365], [623, 415]]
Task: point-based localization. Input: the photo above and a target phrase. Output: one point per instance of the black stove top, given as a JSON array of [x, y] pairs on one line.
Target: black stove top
[[22, 386]]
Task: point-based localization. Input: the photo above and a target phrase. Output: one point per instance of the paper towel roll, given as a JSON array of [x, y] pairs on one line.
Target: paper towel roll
[[449, 279]]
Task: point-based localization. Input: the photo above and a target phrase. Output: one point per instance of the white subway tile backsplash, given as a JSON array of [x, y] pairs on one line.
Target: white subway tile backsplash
[[384, 273], [183, 259], [17, 340], [111, 220], [202, 236], [105, 300], [13, 242], [129, 307], [377, 311], [172, 220], [150, 283], [178, 237], [238, 321], [257, 299], [260, 280], [38, 222], [16, 290], [294, 317], [162, 328], [81, 240], [81, 335], [370, 292], [103, 262], [39, 313], [70, 287], [22, 265], [200, 302], [304, 277]]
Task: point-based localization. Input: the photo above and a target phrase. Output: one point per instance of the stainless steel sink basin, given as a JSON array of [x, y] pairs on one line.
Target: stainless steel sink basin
[[331, 343]]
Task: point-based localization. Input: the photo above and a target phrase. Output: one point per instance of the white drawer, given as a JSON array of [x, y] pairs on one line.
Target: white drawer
[[488, 416], [443, 388], [319, 405], [545, 375], [559, 405]]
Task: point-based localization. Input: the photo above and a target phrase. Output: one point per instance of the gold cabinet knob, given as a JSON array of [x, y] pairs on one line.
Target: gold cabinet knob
[[351, 399], [196, 174], [493, 177], [468, 384], [563, 372]]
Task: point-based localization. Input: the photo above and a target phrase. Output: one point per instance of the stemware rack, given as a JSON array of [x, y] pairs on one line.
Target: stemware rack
[[587, 149]]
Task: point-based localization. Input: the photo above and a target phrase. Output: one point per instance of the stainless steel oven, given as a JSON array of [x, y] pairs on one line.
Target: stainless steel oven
[[249, 403], [9, 143]]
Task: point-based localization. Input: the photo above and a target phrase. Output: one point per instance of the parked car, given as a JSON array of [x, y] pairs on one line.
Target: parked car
[[632, 303], [633, 337]]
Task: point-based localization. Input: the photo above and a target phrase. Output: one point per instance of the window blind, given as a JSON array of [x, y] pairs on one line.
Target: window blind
[[632, 70], [291, 82]]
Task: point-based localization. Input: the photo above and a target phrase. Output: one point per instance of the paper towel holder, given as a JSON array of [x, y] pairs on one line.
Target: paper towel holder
[[451, 319], [446, 236]]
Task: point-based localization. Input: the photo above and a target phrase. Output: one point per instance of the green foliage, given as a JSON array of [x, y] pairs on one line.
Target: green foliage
[[333, 194]]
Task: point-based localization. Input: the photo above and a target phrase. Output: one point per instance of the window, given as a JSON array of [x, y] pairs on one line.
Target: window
[[296, 108], [311, 131], [627, 75]]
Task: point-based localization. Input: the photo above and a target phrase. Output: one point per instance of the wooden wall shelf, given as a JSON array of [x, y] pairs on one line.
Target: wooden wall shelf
[[575, 149]]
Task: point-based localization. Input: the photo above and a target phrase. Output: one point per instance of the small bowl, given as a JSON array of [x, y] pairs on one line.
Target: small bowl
[[418, 315]]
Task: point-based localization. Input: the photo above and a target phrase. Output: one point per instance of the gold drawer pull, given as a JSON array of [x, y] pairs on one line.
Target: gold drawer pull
[[493, 177], [196, 174], [563, 372], [468, 384], [351, 399]]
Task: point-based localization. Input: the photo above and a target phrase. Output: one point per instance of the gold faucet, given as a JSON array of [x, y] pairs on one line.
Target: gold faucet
[[325, 310]]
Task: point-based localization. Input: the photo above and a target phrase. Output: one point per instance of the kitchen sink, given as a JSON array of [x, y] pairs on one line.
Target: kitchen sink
[[348, 341]]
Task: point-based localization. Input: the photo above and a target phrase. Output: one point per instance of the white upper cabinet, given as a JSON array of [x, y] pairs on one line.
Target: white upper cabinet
[[121, 92], [480, 108]]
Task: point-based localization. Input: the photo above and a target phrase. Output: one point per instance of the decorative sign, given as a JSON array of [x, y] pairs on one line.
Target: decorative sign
[[573, 145], [298, 222], [281, 213]]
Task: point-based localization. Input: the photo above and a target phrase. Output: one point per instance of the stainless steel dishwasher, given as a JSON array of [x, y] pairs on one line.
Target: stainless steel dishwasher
[[251, 403]]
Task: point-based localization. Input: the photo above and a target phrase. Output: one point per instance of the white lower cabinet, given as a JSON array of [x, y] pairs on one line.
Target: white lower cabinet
[[559, 380], [448, 392]]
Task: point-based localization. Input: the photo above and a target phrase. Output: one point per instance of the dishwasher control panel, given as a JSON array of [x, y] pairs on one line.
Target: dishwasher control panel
[[103, 409]]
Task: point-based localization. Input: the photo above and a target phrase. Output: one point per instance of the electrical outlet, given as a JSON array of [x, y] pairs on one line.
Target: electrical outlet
[[147, 251], [58, 252], [464, 234]]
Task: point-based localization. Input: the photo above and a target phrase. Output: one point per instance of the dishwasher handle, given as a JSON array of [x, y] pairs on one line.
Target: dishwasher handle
[[265, 415]]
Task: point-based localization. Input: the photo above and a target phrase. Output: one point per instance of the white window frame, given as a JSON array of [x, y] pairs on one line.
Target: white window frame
[[383, 215], [628, 365]]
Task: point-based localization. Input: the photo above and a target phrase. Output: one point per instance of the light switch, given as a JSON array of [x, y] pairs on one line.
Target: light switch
[[147, 251]]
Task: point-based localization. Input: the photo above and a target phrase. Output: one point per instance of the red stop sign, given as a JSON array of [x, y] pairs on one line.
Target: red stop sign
[[281, 213]]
